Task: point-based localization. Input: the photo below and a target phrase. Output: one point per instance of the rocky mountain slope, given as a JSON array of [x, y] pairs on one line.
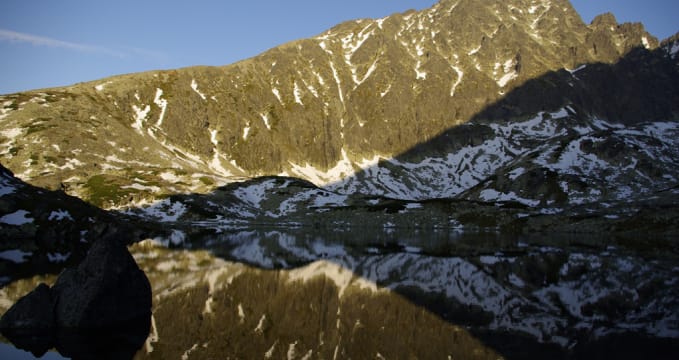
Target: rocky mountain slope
[[349, 101], [43, 231]]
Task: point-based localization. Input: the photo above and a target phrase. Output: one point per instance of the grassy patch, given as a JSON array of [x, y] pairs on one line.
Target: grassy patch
[[13, 106], [39, 125], [207, 180], [102, 191], [50, 159]]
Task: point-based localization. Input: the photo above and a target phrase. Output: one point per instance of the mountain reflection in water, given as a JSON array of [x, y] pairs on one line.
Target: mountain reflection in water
[[397, 293], [301, 293]]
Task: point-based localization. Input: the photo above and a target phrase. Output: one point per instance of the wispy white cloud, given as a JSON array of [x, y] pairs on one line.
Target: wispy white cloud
[[18, 37], [13, 36]]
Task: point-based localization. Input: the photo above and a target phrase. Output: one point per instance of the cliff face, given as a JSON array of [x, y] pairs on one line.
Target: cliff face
[[361, 89]]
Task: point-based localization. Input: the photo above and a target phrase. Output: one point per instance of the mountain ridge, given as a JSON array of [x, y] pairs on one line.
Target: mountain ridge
[[362, 89]]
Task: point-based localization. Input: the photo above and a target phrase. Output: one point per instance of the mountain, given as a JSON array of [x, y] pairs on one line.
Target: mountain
[[500, 164], [345, 102]]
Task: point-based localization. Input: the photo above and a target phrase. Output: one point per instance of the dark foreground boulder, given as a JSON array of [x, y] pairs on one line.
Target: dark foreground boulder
[[101, 306], [106, 290]]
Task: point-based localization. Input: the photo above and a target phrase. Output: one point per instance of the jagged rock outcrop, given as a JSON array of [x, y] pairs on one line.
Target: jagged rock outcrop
[[44, 231], [365, 88]]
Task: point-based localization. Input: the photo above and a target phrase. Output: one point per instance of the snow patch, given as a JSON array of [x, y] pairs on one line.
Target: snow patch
[[506, 78], [340, 276], [326, 199], [140, 187], [169, 176], [253, 195], [675, 48], [579, 68], [12, 133], [177, 237], [259, 330], [457, 82], [337, 81], [140, 116], [514, 174], [265, 118], [165, 210], [162, 104], [516, 281], [194, 86], [352, 42], [100, 87], [16, 256], [59, 215], [246, 132], [213, 137], [493, 195], [18, 218], [489, 259], [343, 169], [6, 188], [185, 355], [386, 91], [509, 73], [277, 94], [57, 257], [298, 97], [419, 74], [269, 353], [241, 313]]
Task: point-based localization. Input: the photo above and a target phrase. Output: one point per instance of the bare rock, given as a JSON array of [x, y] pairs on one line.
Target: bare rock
[[33, 311], [103, 304], [106, 290]]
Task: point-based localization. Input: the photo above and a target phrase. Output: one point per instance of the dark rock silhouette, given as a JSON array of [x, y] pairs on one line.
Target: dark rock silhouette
[[29, 324], [103, 306], [31, 312], [107, 289]]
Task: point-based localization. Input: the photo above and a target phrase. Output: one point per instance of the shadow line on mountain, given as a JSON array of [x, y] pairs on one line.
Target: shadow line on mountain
[[643, 86], [631, 91]]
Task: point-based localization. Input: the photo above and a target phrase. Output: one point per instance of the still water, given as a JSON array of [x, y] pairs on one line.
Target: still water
[[303, 293]]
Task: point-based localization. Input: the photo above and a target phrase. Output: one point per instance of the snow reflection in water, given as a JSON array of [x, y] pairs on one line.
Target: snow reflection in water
[[303, 293], [557, 297]]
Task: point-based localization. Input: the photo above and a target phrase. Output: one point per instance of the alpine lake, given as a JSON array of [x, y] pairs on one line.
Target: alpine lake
[[390, 293]]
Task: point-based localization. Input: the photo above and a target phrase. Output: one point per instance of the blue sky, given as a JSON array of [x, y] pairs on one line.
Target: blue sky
[[45, 43]]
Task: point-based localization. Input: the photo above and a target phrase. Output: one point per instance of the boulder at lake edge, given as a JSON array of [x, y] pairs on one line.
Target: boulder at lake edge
[[107, 296]]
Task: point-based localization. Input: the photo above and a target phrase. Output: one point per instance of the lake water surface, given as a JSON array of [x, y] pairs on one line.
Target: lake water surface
[[307, 293]]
